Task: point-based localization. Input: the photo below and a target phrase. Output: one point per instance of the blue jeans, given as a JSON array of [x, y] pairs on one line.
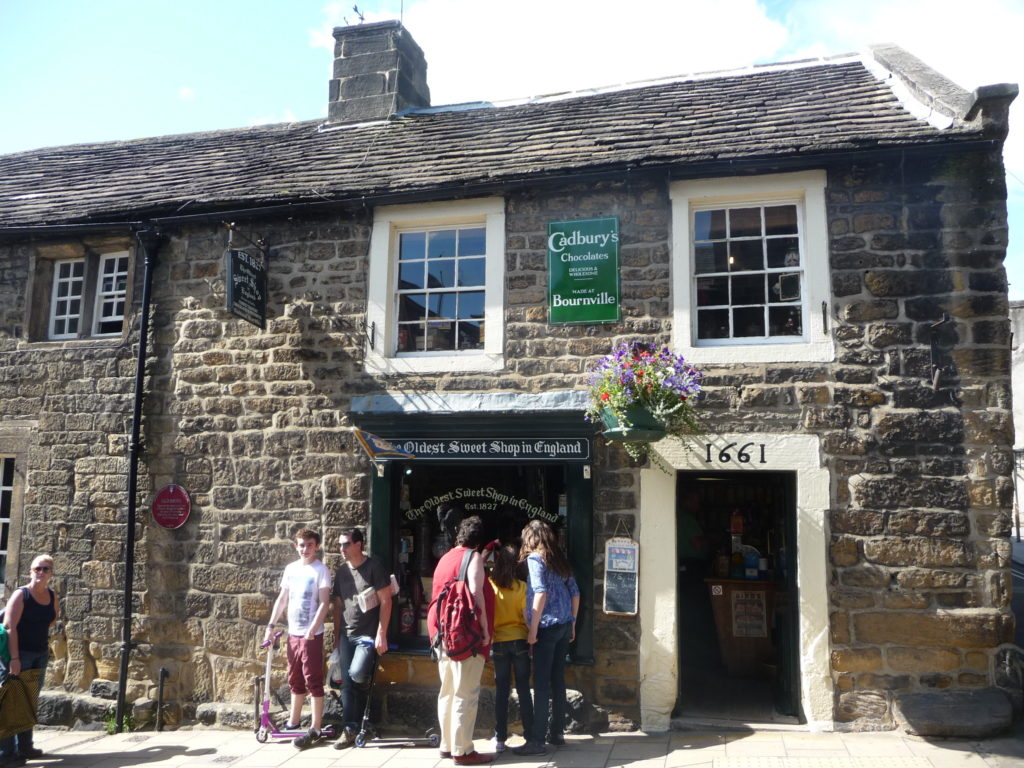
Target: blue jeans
[[549, 654], [357, 659], [12, 745], [508, 656]]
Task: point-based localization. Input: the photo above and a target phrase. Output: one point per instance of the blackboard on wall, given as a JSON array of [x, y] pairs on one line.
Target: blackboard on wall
[[621, 558]]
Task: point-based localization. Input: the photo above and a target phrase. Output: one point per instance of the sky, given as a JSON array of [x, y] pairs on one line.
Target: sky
[[74, 71]]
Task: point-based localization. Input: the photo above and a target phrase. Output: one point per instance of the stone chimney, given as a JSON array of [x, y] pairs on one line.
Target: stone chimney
[[378, 70]]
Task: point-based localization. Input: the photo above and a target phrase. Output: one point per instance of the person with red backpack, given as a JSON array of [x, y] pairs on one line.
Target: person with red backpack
[[459, 623]]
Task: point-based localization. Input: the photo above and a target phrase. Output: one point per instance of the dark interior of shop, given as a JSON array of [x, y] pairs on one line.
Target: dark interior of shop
[[737, 599], [432, 499]]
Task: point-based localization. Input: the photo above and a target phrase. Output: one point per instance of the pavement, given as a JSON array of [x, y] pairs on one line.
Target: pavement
[[776, 748]]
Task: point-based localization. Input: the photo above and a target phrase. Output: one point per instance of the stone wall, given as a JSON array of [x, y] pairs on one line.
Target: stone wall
[[253, 424]]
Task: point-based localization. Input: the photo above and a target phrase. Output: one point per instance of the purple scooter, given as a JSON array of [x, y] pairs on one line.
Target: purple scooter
[[265, 728]]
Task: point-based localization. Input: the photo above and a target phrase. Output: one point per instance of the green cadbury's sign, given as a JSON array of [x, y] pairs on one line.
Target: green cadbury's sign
[[583, 271]]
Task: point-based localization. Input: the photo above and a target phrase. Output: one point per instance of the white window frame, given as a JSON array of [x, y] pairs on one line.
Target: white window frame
[[382, 303], [112, 295], [58, 281], [807, 190]]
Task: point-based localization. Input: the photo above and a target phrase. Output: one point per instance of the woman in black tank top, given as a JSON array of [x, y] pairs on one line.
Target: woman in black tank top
[[30, 613]]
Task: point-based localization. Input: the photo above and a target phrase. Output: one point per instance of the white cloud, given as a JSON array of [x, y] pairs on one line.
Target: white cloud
[[185, 93], [286, 117]]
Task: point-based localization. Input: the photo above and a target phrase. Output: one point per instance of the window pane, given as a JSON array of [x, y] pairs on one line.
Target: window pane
[[72, 325], [442, 305], [471, 305], [63, 288], [748, 322], [744, 222], [708, 225], [78, 268], [5, 503], [471, 242], [785, 321], [412, 306], [7, 477], [471, 272], [783, 252], [746, 255], [410, 337], [711, 257], [440, 337], [74, 307], [748, 289], [784, 287], [780, 220], [412, 245], [441, 244], [471, 335], [4, 530], [410, 275], [109, 326], [712, 291], [713, 324], [441, 273]]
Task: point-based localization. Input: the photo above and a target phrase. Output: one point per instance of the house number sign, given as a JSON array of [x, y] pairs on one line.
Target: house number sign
[[735, 453]]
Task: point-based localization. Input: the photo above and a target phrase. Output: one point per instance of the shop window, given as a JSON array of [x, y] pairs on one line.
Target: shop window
[[80, 297], [431, 501], [751, 268], [436, 300]]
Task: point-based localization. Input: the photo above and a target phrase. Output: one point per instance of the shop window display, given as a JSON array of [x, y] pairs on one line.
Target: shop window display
[[432, 500]]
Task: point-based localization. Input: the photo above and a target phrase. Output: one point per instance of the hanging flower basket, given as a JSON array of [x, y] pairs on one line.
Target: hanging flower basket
[[641, 393], [638, 426]]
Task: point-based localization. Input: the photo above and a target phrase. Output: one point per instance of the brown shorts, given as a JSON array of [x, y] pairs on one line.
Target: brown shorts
[[306, 665]]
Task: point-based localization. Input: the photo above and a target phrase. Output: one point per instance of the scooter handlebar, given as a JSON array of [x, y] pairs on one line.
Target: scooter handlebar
[[274, 639]]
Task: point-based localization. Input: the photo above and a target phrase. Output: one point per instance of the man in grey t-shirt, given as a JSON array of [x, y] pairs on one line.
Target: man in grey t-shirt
[[365, 632]]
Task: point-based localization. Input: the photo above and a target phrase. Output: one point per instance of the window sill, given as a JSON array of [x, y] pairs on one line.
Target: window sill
[[730, 354], [468, 363]]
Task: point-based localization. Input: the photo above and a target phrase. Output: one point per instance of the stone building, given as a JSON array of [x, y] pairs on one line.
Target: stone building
[[824, 238]]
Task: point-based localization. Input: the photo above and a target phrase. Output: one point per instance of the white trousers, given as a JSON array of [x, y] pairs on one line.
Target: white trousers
[[457, 702]]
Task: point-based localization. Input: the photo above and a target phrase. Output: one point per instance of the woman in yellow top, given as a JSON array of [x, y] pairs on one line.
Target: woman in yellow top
[[510, 651]]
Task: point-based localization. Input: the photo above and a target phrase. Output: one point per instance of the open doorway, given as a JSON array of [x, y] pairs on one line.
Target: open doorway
[[737, 601]]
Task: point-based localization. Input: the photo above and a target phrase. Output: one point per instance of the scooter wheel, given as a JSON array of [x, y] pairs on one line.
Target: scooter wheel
[[435, 739], [262, 735], [360, 739]]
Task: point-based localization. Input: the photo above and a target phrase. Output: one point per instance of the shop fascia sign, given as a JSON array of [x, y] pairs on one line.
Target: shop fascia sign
[[496, 448], [583, 271]]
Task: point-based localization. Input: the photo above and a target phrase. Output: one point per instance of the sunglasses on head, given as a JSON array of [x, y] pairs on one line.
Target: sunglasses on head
[[42, 568]]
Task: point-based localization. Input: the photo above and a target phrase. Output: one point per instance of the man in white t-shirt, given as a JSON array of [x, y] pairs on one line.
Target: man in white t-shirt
[[306, 595]]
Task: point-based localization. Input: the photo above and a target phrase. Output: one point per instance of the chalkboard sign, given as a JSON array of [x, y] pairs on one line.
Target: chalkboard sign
[[621, 558], [246, 285]]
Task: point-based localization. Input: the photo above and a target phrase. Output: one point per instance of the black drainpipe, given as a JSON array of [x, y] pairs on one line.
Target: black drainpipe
[[149, 239]]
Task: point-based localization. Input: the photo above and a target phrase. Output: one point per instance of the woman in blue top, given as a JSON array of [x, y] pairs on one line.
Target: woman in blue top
[[552, 602]]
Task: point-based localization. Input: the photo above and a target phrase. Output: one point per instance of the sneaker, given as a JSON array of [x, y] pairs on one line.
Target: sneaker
[[310, 738], [291, 727], [473, 758], [30, 752], [497, 746], [556, 739], [346, 740], [445, 755], [531, 748]]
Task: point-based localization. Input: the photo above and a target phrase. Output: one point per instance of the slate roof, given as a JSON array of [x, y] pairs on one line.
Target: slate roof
[[790, 111]]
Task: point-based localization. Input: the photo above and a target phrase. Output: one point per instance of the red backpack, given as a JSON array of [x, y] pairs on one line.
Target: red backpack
[[459, 632]]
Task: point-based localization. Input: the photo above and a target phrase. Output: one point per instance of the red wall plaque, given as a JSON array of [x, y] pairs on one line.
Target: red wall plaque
[[171, 506]]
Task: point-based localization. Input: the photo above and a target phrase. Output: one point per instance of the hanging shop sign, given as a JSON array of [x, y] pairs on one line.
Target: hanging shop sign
[[490, 448], [171, 506], [621, 564], [583, 271], [246, 286]]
